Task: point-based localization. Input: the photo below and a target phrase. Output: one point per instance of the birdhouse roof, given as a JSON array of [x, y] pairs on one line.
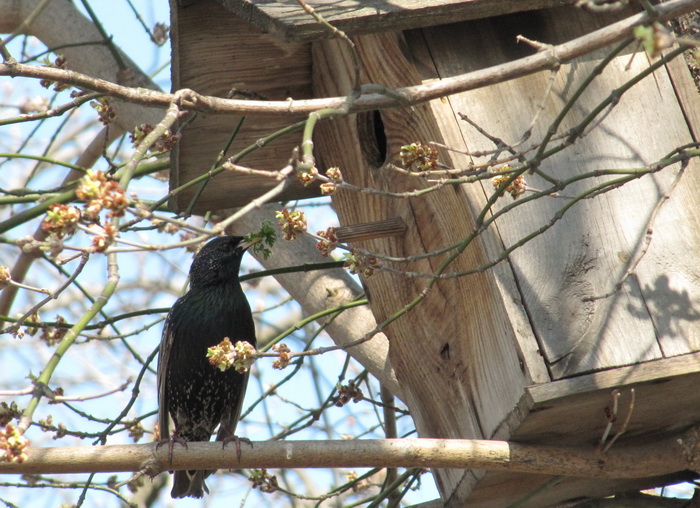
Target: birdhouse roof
[[286, 20]]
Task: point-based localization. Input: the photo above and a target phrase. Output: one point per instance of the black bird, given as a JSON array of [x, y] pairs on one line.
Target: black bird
[[197, 395]]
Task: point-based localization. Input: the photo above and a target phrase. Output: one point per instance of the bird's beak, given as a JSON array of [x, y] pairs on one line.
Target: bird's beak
[[249, 244]]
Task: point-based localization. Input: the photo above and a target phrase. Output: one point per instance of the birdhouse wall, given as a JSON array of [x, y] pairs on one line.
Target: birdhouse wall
[[655, 312], [474, 353], [217, 53], [460, 358]]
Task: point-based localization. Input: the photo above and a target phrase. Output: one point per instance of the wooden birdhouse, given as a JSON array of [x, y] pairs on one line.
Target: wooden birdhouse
[[571, 309]]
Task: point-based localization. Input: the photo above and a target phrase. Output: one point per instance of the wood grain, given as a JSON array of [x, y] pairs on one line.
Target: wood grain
[[572, 412], [288, 21], [454, 355], [589, 250], [214, 52], [370, 230]]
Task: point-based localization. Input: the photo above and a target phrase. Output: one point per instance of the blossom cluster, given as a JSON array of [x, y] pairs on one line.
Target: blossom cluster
[[348, 392], [99, 193], [284, 358], [226, 355], [13, 445], [306, 175], [263, 481], [360, 264], [58, 63], [164, 143], [335, 177], [292, 223], [329, 244], [418, 157], [516, 188], [5, 276]]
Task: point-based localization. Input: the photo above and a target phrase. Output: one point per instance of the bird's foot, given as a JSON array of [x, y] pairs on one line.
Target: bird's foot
[[171, 444], [237, 440]]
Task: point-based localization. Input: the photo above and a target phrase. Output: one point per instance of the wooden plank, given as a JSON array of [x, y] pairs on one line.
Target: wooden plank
[[455, 356], [687, 92], [286, 20], [540, 491], [586, 252], [528, 347], [214, 51], [571, 412], [666, 402], [672, 296]]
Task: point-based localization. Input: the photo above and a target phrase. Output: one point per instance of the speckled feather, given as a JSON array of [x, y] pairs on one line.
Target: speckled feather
[[196, 395]]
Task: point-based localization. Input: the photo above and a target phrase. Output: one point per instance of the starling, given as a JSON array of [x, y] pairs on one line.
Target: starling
[[196, 395]]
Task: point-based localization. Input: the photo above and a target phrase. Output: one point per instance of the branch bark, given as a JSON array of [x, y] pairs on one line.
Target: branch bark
[[543, 60], [677, 453], [82, 48]]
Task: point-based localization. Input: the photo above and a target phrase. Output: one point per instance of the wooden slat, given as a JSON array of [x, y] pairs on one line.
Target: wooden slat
[[286, 20], [527, 346], [371, 230], [538, 491], [672, 296], [666, 402]]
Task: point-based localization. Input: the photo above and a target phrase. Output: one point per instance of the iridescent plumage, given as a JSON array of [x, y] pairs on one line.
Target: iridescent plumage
[[196, 395]]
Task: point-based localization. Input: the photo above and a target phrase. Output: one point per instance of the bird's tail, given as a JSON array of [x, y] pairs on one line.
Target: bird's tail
[[189, 484]]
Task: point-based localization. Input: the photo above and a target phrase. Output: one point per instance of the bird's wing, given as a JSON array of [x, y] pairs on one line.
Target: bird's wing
[[231, 415], [166, 344]]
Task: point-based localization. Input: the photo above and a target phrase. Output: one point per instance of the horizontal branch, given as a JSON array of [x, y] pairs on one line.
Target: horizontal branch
[[543, 60], [670, 455]]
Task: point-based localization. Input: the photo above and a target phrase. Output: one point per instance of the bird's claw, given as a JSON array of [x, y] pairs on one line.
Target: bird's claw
[[237, 440], [171, 444]]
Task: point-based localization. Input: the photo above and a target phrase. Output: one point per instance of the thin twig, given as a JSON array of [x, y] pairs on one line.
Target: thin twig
[[625, 423], [413, 94], [52, 296]]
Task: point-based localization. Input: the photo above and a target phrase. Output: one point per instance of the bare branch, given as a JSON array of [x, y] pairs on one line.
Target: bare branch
[[412, 95], [669, 455]]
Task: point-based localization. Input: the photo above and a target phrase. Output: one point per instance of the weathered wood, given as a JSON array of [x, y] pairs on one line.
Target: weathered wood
[[687, 93], [286, 20], [454, 355], [666, 401], [546, 491], [214, 52], [585, 254], [370, 230], [468, 355], [670, 286], [588, 251], [571, 412]]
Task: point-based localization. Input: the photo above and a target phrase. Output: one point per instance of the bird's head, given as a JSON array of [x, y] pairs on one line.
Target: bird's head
[[219, 261]]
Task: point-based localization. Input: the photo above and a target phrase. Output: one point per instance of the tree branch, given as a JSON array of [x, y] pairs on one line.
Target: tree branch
[[677, 453], [542, 60]]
